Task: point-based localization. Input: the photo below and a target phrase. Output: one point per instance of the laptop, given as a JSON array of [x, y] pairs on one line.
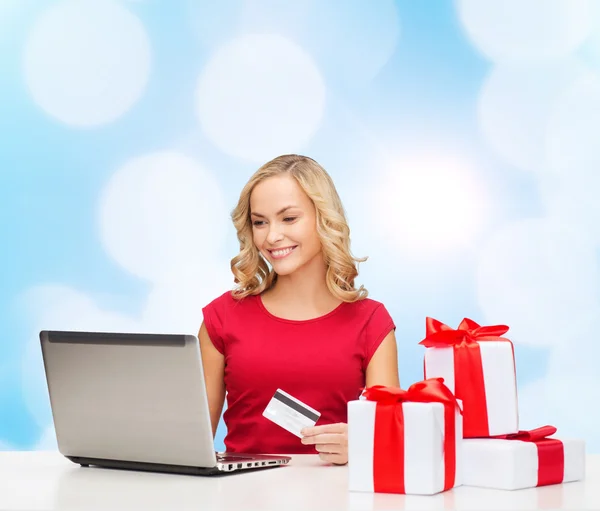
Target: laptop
[[135, 401]]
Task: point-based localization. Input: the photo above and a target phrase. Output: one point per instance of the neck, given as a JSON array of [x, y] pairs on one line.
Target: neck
[[307, 284]]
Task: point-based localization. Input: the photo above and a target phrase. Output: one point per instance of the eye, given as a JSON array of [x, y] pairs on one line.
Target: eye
[[257, 223], [289, 218]]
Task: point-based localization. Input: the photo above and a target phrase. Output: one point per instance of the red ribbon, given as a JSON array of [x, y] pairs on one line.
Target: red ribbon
[[551, 453], [388, 455], [469, 384]]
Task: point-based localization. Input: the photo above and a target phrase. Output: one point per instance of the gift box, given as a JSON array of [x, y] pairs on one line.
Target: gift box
[[478, 366], [523, 460], [405, 441]]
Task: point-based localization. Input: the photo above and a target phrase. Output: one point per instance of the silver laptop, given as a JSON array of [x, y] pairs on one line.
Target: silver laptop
[[135, 401]]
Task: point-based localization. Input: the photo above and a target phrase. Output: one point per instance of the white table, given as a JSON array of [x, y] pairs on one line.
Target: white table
[[46, 480]]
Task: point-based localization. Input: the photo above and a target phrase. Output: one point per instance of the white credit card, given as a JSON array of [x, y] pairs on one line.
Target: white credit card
[[290, 413]]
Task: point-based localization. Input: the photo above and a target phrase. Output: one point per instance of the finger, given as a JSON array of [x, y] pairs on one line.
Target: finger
[[327, 428], [336, 459], [330, 448], [325, 438]]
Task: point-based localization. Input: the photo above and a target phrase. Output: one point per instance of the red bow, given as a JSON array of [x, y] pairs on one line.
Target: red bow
[[388, 455], [551, 454], [439, 335], [533, 435], [469, 383]]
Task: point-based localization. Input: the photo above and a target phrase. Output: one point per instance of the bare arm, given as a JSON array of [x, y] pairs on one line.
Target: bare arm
[[213, 364], [383, 366]]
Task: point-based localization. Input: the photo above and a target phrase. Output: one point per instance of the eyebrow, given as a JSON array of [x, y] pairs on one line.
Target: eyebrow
[[282, 210]]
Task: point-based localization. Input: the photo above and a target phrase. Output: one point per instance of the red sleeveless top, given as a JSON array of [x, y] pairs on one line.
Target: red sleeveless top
[[320, 361]]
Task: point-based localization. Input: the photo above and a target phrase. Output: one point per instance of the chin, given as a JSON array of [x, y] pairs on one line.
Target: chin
[[284, 269]]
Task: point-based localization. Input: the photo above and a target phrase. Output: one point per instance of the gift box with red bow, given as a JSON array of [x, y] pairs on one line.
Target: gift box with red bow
[[478, 366], [405, 441], [522, 460]]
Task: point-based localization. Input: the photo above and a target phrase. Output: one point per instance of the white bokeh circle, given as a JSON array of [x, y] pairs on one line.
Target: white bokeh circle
[[515, 105], [525, 30], [260, 96], [58, 307], [86, 62], [424, 204], [162, 217], [541, 278]]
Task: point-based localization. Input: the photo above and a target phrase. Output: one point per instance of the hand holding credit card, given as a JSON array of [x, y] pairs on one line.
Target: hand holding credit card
[[330, 440], [290, 413]]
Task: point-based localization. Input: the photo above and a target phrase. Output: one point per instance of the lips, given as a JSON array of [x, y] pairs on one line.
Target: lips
[[280, 253]]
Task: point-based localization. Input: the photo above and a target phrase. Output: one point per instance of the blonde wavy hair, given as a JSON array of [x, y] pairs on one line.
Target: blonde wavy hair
[[250, 269]]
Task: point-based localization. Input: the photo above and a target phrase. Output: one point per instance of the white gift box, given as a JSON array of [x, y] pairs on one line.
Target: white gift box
[[513, 464], [500, 383], [423, 447]]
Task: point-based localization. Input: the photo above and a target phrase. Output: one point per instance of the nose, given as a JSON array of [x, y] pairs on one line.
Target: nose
[[274, 235]]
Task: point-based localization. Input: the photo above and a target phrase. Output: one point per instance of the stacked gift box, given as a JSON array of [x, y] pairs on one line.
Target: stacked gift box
[[459, 426]]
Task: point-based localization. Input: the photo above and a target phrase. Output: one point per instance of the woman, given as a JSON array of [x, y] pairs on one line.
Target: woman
[[295, 322]]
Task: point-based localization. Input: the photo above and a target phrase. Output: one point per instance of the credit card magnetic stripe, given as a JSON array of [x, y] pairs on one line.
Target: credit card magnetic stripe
[[296, 406]]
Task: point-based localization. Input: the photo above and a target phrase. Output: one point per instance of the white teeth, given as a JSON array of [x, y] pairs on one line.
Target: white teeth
[[279, 253]]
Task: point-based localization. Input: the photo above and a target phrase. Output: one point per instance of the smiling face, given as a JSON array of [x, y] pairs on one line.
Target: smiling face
[[284, 225]]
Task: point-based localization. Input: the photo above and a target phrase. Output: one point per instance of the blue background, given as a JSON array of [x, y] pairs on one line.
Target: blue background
[[461, 138]]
